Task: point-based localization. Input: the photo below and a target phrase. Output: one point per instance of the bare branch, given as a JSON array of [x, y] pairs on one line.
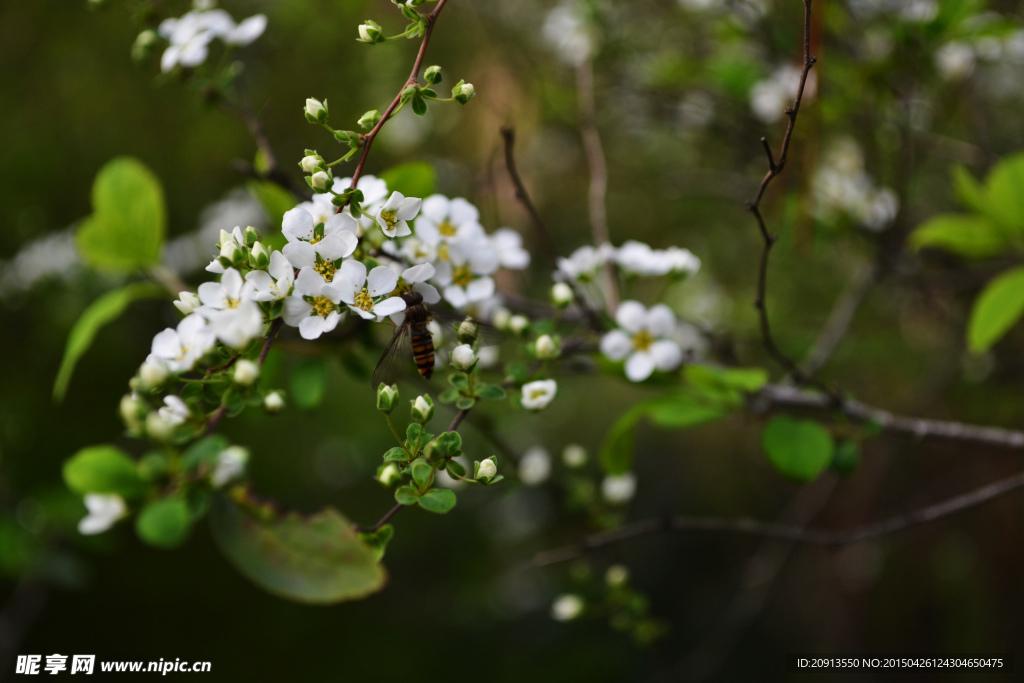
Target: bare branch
[[784, 532]]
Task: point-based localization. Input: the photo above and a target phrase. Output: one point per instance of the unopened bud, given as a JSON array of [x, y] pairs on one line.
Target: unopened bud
[[387, 397], [370, 32], [616, 576], [230, 465], [574, 455], [546, 348], [309, 164], [389, 474], [273, 402], [422, 409], [518, 323], [501, 317], [463, 92], [187, 302], [152, 374], [246, 372], [319, 181], [485, 470], [369, 119], [143, 46], [131, 412], [316, 112], [251, 236], [567, 607], [467, 331], [260, 256], [561, 294], [230, 250], [157, 427], [433, 75], [463, 357]]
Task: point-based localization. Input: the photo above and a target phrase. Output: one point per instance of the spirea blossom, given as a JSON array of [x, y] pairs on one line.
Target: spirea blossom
[[642, 340]]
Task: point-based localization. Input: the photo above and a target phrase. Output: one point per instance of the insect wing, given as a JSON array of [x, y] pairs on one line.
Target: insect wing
[[488, 335], [395, 356]]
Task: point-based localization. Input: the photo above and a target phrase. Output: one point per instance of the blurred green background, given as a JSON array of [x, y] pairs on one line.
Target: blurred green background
[[673, 83]]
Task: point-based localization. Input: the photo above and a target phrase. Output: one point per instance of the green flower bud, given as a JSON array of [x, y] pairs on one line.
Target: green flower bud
[[370, 32], [546, 348], [251, 236], [387, 397], [422, 409], [142, 48], [485, 470], [369, 119], [260, 256], [389, 474], [463, 92], [433, 75], [246, 372], [316, 112]]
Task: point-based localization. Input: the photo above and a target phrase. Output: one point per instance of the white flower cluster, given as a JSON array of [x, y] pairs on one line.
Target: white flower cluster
[[770, 97], [191, 34], [956, 60], [841, 185], [633, 258]]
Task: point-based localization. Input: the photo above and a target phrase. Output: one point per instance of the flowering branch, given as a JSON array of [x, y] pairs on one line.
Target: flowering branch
[[785, 532], [211, 425]]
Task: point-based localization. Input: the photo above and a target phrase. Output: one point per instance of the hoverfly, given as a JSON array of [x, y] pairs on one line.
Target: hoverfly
[[413, 336]]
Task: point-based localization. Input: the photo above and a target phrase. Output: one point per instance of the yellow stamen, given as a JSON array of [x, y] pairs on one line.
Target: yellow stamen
[[447, 229], [363, 301], [389, 218], [462, 276], [322, 306], [326, 269], [642, 340]]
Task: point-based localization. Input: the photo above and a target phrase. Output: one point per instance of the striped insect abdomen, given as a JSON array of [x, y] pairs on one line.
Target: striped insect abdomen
[[422, 348]]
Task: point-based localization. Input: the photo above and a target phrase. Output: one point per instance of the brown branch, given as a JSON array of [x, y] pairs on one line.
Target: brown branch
[[413, 79], [784, 532], [509, 136], [383, 520], [775, 168]]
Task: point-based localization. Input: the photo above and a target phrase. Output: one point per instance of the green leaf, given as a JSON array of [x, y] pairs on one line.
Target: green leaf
[[396, 454], [1005, 185], [847, 457], [412, 432], [316, 559], [437, 500], [459, 379], [413, 179], [204, 450], [378, 540], [491, 392], [126, 230], [100, 312], [968, 235], [617, 449], [103, 469], [406, 495], [746, 380], [419, 105], [164, 523], [998, 307], [969, 191], [422, 473], [686, 408], [465, 403], [308, 383], [799, 449]]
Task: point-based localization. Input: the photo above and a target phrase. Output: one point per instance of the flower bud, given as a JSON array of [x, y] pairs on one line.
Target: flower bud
[[316, 112], [546, 348], [131, 409], [246, 372], [369, 119], [260, 256], [422, 409], [230, 465], [273, 402], [251, 236], [389, 474], [485, 470], [370, 32], [319, 181], [566, 607], [157, 427], [152, 374], [309, 164], [501, 317], [143, 46], [463, 357], [387, 397], [561, 294], [187, 302], [619, 489], [463, 92], [433, 75], [574, 455], [518, 323], [467, 331], [230, 250], [616, 576]]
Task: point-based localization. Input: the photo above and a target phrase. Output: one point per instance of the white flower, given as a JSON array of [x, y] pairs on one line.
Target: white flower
[[234, 317], [190, 37], [681, 261], [442, 219], [955, 61], [273, 402], [104, 510], [545, 347], [567, 32], [396, 211], [566, 607], [537, 395], [223, 295], [275, 284], [641, 340], [367, 295], [246, 372], [619, 489], [535, 466], [465, 275], [561, 294], [508, 244], [314, 307], [584, 263], [247, 30], [417, 276], [174, 411], [770, 98], [230, 465], [463, 357], [375, 193], [637, 258], [187, 302], [574, 455], [229, 249], [180, 348], [303, 249], [486, 470]]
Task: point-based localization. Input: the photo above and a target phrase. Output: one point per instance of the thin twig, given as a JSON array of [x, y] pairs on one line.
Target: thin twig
[[413, 79], [383, 520], [796, 534], [775, 168]]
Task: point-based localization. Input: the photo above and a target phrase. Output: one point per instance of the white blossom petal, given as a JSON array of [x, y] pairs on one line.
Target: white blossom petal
[[631, 316], [639, 366], [616, 345]]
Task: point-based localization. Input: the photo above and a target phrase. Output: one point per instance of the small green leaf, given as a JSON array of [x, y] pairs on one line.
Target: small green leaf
[[315, 559], [204, 450], [459, 379], [103, 469], [998, 307], [492, 392], [746, 380], [847, 457], [413, 179], [617, 449], [799, 449], [969, 191], [396, 454], [686, 408], [437, 500], [419, 106], [406, 495], [379, 540], [422, 473], [99, 313], [126, 230], [412, 432], [465, 403], [456, 468], [164, 523], [968, 235], [1005, 184], [309, 382], [452, 442]]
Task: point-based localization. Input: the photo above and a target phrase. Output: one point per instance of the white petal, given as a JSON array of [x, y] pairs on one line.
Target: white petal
[[166, 344], [394, 202], [297, 223], [352, 273], [639, 366], [667, 354], [195, 52], [381, 281], [296, 309], [428, 292], [661, 321], [280, 266], [340, 222], [170, 58], [312, 327], [435, 207], [213, 294], [389, 306], [336, 246], [402, 229], [309, 282], [261, 283], [616, 345], [456, 296], [232, 283], [461, 212], [300, 254], [249, 30], [409, 209], [420, 273], [481, 289], [631, 316]]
